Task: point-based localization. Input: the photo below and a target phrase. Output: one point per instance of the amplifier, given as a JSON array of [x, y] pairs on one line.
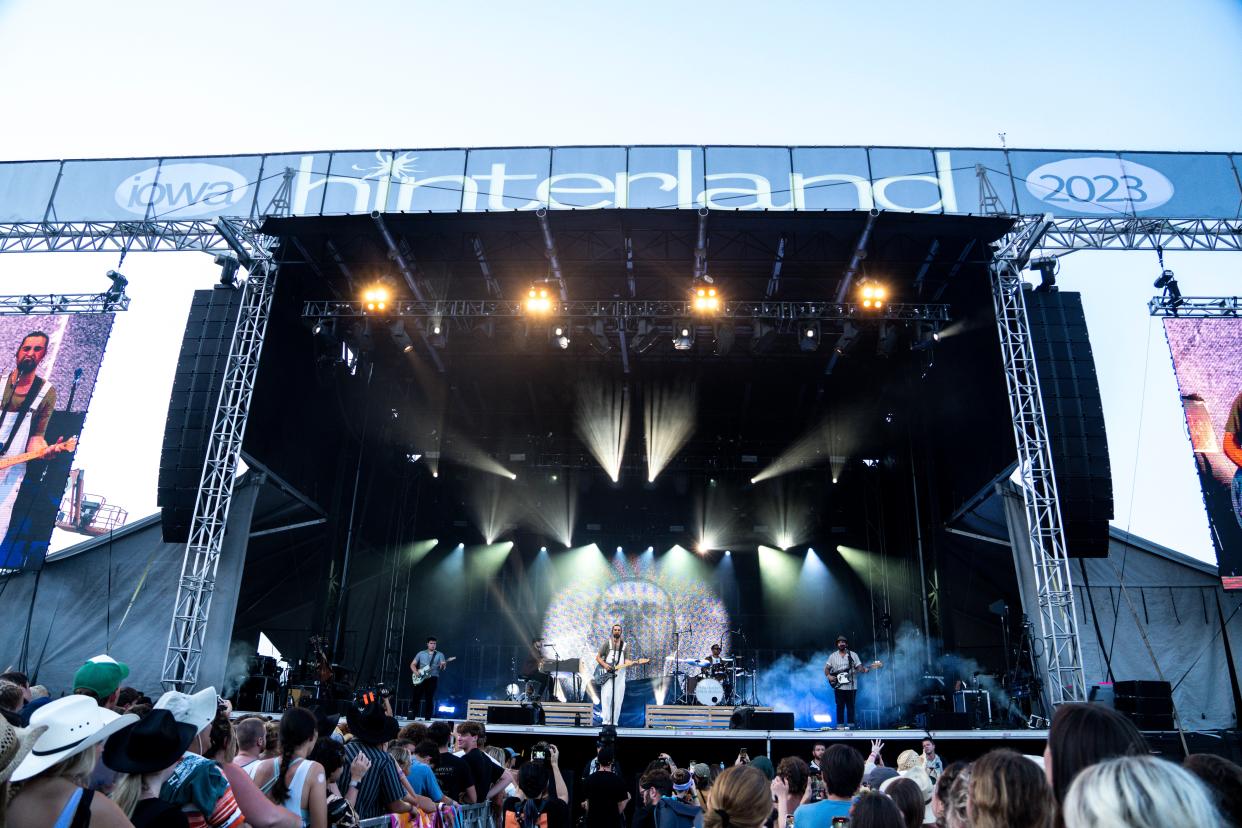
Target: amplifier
[[514, 715]]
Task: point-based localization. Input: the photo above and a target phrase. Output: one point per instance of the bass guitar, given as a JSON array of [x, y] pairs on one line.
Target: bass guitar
[[64, 445], [603, 676], [423, 673]]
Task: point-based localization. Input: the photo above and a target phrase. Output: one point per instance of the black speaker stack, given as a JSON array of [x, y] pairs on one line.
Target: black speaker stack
[[1149, 704], [1070, 391], [196, 389]]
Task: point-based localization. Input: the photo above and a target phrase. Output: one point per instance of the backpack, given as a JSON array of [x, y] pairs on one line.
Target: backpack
[[525, 813]]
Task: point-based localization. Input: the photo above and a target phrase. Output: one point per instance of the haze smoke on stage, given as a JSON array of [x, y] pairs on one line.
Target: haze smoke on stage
[[603, 422], [237, 668], [798, 685], [668, 422]]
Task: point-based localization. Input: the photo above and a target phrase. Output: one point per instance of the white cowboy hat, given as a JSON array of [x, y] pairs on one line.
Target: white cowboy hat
[[73, 724], [197, 709]]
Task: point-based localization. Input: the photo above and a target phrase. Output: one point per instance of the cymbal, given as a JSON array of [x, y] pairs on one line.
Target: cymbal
[[694, 661]]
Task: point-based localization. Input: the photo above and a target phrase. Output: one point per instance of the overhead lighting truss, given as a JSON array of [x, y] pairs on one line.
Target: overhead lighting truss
[[1196, 307], [30, 304], [473, 309]]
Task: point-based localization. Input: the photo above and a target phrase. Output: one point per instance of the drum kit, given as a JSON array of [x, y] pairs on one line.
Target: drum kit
[[717, 682]]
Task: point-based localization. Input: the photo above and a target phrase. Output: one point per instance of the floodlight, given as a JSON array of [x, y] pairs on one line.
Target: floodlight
[[375, 298], [119, 282], [706, 299], [559, 334], [872, 295], [598, 340], [683, 335], [400, 337], [538, 300], [1172, 292], [1046, 267]]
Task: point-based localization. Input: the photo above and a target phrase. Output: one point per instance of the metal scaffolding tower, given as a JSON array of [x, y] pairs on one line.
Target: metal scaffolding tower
[[1058, 626], [215, 489]]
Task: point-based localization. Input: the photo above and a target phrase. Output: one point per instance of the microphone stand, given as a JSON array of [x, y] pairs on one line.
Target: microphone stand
[[677, 674]]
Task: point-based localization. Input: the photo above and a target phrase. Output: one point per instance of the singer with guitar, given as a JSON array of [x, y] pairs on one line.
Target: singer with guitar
[[426, 668], [840, 670], [613, 660], [25, 409]]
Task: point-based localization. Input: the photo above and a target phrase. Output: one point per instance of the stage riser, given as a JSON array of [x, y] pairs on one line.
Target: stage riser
[[562, 714], [691, 715]]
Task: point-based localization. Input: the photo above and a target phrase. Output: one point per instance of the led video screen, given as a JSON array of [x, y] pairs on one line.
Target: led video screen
[[50, 363], [1207, 358]]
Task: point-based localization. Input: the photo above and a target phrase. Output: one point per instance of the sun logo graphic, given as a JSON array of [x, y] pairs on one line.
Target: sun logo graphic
[[390, 166]]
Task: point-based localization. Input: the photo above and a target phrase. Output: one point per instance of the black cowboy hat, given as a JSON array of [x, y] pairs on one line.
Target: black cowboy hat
[[371, 724], [326, 722], [151, 744]]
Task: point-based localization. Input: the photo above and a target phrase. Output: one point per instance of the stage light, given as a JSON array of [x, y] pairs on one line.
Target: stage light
[[1167, 283], [117, 292], [559, 335], [538, 300], [728, 553], [543, 549], [619, 550], [706, 299], [808, 336], [400, 337], [726, 334], [1047, 268], [873, 295], [413, 457], [683, 335], [599, 341], [886, 342], [821, 718], [228, 269], [849, 335], [375, 298]]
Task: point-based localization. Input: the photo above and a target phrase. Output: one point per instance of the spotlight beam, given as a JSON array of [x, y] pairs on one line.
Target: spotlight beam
[[668, 422], [823, 443], [603, 422]]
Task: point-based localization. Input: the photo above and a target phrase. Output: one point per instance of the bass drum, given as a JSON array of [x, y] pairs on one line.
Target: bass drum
[[709, 691]]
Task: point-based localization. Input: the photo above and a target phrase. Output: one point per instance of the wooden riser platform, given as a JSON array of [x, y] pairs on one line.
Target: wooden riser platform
[[556, 714], [691, 715]]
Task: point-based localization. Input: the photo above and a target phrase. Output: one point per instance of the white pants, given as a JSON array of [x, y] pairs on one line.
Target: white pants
[[10, 483], [612, 691]]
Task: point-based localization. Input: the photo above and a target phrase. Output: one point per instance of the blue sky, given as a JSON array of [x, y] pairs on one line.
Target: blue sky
[[136, 78]]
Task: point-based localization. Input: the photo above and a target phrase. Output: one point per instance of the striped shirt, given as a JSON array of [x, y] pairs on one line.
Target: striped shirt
[[380, 785], [198, 786]]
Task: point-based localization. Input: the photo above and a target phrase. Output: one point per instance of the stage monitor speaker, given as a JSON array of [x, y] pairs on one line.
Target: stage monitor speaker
[[1073, 410], [771, 720], [195, 392], [741, 718], [515, 715], [1143, 688], [943, 720]]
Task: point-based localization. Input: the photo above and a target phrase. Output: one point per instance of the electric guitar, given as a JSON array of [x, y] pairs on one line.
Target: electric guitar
[[64, 445], [603, 676], [423, 673], [846, 676]]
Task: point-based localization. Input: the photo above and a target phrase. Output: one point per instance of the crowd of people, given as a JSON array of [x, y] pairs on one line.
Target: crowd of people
[[107, 755]]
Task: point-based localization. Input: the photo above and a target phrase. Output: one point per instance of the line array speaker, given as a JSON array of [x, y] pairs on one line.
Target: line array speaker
[[1074, 412], [195, 391]]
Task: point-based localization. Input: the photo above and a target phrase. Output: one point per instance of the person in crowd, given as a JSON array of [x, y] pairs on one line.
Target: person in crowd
[[653, 785], [21, 680], [790, 787], [452, 772], [843, 773], [817, 756], [143, 756], [60, 758], [604, 794], [421, 777], [875, 810], [251, 741], [1082, 735], [271, 740], [15, 744], [908, 798], [909, 765], [329, 723], [292, 780], [490, 778], [399, 750], [875, 778], [815, 774], [940, 794], [957, 804], [127, 697], [100, 678], [681, 810], [1007, 790], [331, 755], [39, 696], [740, 799], [703, 783], [381, 791], [197, 785], [764, 765], [414, 732], [258, 810], [534, 801], [1137, 792], [1223, 779], [12, 700], [930, 761], [498, 756]]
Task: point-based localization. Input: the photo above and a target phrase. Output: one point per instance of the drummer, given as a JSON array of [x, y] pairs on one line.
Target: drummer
[[713, 665]]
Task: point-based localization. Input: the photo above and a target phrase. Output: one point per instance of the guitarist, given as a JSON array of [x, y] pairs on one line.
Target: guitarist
[[612, 657], [434, 662], [25, 409], [840, 670]]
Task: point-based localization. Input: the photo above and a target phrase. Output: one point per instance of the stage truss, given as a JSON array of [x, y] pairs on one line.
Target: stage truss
[[1056, 236]]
